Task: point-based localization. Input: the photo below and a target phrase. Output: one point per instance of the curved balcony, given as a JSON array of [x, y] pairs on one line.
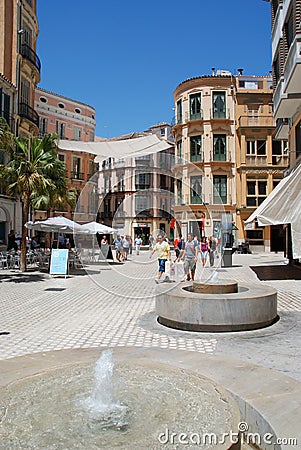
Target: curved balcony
[[28, 113], [28, 53]]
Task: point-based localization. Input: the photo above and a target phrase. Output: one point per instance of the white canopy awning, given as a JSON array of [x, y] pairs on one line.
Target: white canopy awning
[[117, 149], [95, 227], [58, 224], [283, 206]]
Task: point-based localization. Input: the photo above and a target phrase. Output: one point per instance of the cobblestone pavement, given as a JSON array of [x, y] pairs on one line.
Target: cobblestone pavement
[[114, 305]]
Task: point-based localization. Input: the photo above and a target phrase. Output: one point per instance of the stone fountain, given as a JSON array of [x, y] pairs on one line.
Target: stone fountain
[[216, 306], [58, 407]]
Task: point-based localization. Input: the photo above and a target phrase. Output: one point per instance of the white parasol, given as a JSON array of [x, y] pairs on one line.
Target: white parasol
[[58, 224], [95, 227]]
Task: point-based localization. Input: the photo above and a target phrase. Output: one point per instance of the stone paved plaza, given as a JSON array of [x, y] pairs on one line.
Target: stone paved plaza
[[114, 306]]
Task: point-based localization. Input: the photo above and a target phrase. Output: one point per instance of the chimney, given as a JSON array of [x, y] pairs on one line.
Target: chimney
[[240, 71], [213, 71]]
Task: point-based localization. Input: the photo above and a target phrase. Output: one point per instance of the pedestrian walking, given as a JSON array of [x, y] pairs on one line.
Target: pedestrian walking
[[118, 247], [190, 257], [138, 242], [126, 247], [204, 250], [163, 250], [176, 243]]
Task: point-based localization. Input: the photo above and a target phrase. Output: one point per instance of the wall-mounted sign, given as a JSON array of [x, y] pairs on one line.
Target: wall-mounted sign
[[141, 225]]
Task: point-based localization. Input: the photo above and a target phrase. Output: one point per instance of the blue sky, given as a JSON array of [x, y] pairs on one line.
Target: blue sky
[[125, 58]]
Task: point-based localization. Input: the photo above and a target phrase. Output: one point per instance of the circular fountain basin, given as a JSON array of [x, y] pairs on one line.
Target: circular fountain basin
[[215, 287], [45, 410], [251, 307]]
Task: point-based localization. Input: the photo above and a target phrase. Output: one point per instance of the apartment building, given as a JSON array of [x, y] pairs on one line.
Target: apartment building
[[19, 63], [20, 69], [286, 60], [227, 159], [286, 54], [10, 209], [71, 120], [68, 118], [80, 169], [205, 171], [137, 193], [260, 159]]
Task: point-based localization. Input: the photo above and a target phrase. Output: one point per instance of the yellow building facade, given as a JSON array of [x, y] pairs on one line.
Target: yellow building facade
[[204, 171], [227, 158], [260, 159]]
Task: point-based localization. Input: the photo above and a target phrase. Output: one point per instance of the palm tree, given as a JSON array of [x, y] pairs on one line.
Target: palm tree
[[60, 197], [36, 175], [6, 136]]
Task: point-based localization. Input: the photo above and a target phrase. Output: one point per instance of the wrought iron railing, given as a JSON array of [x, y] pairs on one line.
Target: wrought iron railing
[[220, 114], [77, 175], [29, 113], [28, 53], [189, 116]]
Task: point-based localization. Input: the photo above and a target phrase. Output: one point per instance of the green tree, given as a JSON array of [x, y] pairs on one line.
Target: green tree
[[6, 136], [36, 176]]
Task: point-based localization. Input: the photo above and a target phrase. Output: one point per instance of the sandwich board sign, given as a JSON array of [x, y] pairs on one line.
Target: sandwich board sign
[[59, 261]]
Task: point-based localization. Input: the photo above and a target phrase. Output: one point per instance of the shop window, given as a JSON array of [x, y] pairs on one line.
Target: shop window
[[255, 237]]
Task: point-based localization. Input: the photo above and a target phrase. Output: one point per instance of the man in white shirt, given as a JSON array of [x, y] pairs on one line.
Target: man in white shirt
[[138, 242]]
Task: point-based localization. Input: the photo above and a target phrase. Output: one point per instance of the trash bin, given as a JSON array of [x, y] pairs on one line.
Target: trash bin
[[227, 256]]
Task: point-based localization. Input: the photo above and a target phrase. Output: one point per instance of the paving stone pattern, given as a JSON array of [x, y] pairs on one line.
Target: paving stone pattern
[[114, 305]]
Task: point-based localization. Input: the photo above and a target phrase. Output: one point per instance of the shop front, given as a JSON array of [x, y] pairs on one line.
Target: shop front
[[142, 229]]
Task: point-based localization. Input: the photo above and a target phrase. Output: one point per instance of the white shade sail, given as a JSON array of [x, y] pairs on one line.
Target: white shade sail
[[117, 149], [94, 227], [283, 206], [58, 224]]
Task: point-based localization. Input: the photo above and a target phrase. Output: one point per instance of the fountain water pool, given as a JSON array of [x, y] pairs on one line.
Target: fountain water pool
[[46, 410]]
